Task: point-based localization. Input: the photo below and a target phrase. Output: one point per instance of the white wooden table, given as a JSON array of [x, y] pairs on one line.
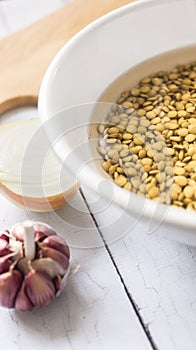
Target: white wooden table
[[132, 291]]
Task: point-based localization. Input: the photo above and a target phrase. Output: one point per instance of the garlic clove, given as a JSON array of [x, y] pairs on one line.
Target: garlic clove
[[49, 266], [43, 228], [57, 243], [17, 248], [39, 288], [56, 256], [5, 235], [22, 302], [4, 247], [17, 232], [5, 264], [23, 265], [10, 283], [39, 236], [28, 281]]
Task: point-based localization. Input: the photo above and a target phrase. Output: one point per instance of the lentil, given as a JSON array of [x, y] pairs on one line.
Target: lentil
[[148, 142]]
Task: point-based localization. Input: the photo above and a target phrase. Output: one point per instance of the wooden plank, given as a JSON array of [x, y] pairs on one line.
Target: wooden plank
[[26, 55], [32, 10], [93, 312], [159, 275]]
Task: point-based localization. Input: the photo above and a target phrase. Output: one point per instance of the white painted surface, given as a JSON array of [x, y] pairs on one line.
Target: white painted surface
[[160, 275], [81, 60], [94, 312], [18, 14]]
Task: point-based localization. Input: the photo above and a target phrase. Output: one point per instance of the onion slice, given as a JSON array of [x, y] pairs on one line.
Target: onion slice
[[31, 175]]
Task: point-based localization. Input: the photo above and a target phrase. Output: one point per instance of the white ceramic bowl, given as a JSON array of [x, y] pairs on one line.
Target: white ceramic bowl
[[88, 64]]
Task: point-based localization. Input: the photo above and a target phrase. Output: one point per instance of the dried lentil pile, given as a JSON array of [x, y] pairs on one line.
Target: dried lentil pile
[[148, 142]]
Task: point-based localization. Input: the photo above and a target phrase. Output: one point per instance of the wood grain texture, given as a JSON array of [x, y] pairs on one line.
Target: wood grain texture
[[94, 312], [26, 55], [159, 274]]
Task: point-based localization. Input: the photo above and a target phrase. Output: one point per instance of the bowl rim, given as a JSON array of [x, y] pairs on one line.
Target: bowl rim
[[177, 217], [79, 35]]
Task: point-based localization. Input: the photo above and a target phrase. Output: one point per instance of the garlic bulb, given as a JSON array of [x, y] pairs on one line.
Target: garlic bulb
[[34, 266], [35, 179]]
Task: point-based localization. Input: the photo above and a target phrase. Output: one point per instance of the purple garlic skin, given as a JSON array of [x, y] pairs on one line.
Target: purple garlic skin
[[5, 263], [57, 243], [22, 301], [45, 229], [4, 245], [60, 258], [40, 288], [5, 235], [26, 284], [10, 283]]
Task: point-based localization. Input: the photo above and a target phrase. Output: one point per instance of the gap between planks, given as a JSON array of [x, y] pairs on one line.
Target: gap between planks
[[128, 294]]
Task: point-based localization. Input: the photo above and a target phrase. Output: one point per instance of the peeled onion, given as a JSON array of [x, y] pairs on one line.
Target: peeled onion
[[31, 175]]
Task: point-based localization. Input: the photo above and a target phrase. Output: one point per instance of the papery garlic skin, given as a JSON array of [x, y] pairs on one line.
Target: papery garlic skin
[[10, 283], [17, 232], [49, 266], [57, 243], [26, 282], [5, 263], [4, 247], [40, 288], [22, 301], [60, 258], [45, 229]]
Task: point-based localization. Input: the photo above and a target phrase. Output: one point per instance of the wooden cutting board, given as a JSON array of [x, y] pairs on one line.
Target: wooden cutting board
[[26, 54]]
